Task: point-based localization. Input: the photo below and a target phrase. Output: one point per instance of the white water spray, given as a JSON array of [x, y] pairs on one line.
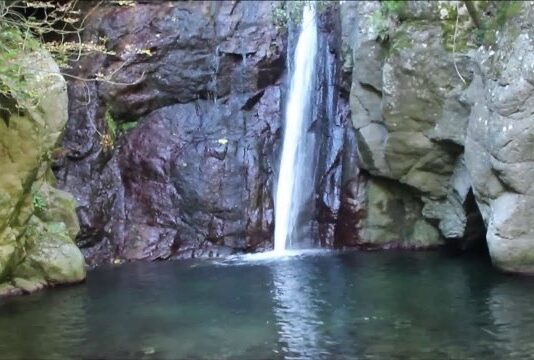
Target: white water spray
[[300, 91]]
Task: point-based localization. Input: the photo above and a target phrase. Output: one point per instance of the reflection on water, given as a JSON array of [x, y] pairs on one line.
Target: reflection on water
[[303, 314], [341, 305], [296, 311]]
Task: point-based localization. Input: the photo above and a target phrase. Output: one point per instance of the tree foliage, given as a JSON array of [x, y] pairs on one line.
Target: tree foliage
[[30, 26]]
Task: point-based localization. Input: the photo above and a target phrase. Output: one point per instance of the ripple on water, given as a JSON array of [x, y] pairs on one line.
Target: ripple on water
[[318, 305]]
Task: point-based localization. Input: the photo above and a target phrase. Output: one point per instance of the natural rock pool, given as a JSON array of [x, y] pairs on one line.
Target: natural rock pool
[[395, 305]]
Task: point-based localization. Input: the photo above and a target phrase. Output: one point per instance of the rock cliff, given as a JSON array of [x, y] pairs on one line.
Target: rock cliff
[[442, 114], [422, 129]]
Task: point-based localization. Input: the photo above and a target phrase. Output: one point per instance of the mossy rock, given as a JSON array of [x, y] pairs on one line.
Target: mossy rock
[[60, 207], [424, 235], [7, 252], [51, 254], [8, 289], [37, 222], [29, 285]]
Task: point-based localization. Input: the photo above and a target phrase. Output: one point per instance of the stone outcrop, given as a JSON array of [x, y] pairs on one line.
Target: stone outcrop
[[409, 119], [500, 141], [38, 223], [435, 126]]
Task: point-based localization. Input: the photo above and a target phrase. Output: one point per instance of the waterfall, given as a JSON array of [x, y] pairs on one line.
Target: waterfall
[[294, 147]]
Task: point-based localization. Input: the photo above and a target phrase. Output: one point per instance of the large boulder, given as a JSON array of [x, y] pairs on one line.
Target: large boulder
[[37, 222], [499, 148]]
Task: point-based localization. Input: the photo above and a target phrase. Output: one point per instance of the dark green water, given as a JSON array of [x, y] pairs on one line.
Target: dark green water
[[336, 306]]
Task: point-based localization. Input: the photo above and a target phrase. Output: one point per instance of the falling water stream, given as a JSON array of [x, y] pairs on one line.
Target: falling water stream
[[288, 196]]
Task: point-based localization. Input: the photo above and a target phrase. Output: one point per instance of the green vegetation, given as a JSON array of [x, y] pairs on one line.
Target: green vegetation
[[114, 129], [456, 31], [12, 81], [500, 13], [381, 18], [111, 124], [506, 10], [24, 28], [28, 26], [486, 17], [127, 126], [393, 7], [39, 204], [402, 40], [107, 140], [380, 26]]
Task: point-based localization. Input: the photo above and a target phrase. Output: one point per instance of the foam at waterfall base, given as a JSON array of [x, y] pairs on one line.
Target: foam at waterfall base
[[275, 256]]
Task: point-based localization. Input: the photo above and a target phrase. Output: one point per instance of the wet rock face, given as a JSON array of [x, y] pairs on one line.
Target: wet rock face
[[181, 52], [331, 123], [198, 175], [194, 177]]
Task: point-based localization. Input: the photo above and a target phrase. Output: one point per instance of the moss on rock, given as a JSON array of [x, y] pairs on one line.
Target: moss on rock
[[37, 222]]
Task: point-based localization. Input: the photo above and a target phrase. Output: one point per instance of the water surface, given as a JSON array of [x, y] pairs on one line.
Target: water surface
[[395, 305]]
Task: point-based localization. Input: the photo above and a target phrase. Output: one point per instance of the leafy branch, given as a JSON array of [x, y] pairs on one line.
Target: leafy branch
[[27, 27]]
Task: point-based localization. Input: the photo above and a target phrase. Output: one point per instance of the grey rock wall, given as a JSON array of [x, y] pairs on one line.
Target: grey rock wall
[[442, 125]]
